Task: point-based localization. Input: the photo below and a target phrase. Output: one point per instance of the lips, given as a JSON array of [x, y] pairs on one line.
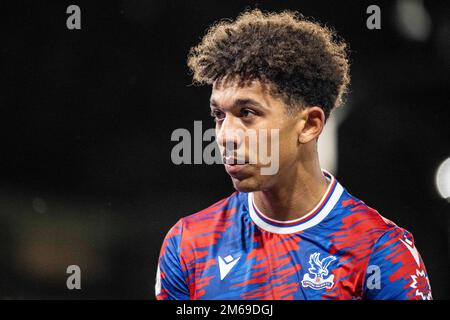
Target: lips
[[234, 167]]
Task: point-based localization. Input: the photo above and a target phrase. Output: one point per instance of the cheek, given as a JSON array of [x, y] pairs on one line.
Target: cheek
[[287, 146], [286, 158]]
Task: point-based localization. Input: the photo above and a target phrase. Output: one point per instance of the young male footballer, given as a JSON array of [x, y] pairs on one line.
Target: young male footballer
[[296, 233]]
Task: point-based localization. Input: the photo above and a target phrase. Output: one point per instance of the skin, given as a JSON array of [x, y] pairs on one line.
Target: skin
[[299, 184]]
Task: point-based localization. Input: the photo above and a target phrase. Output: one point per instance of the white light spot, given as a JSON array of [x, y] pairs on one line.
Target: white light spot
[[413, 20], [443, 179]]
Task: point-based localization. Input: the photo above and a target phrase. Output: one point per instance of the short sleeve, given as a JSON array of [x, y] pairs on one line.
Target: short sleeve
[[396, 270], [170, 278]]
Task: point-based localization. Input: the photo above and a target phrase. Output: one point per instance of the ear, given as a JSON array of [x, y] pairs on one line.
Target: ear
[[313, 119]]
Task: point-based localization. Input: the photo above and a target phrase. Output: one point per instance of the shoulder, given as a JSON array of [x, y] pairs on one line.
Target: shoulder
[[357, 225], [361, 218], [362, 229], [216, 214]]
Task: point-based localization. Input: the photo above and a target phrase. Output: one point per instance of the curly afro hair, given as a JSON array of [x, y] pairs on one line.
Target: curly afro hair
[[302, 62]]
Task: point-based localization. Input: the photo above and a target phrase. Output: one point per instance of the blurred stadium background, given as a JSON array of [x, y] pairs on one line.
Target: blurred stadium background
[[86, 118]]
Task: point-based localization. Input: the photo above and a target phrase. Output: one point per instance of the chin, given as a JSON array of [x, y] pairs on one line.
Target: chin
[[246, 185]]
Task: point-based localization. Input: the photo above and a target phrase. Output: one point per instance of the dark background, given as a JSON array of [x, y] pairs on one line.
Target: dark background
[[86, 118]]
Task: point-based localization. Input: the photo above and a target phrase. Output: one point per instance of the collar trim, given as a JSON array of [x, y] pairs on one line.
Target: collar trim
[[312, 218]]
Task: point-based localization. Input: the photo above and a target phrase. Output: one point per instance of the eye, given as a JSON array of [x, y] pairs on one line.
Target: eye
[[246, 113], [217, 115]]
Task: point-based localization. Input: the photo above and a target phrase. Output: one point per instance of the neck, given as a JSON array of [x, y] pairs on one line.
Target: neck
[[299, 191]]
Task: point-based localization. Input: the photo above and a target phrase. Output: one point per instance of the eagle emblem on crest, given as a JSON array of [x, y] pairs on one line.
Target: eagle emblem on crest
[[319, 271]]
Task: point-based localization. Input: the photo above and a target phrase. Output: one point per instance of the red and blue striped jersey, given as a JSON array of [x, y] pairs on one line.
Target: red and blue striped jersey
[[342, 249]]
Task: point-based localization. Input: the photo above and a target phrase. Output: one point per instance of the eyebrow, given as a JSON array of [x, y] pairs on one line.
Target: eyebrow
[[240, 103]]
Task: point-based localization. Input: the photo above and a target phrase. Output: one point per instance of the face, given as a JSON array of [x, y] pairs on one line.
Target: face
[[243, 113]]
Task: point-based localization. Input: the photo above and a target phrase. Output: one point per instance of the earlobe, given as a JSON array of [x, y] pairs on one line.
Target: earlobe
[[304, 137]]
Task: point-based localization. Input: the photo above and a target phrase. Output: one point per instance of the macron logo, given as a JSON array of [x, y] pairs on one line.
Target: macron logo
[[226, 264]]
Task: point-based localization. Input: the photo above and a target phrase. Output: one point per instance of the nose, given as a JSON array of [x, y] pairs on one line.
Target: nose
[[229, 135]]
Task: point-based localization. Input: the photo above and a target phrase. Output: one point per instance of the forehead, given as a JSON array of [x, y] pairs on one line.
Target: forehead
[[227, 94]]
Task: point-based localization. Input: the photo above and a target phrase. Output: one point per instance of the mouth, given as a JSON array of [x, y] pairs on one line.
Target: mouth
[[234, 169], [233, 166]]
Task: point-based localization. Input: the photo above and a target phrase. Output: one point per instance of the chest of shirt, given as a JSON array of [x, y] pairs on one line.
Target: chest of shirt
[[268, 266]]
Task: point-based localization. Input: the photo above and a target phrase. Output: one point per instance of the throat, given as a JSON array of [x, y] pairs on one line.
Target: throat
[[287, 204]]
